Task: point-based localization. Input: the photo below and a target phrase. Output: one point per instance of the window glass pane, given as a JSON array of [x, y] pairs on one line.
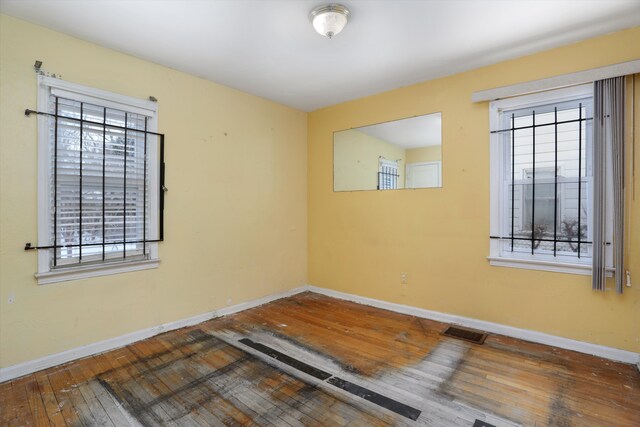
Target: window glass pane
[[544, 116], [573, 215], [67, 108], [519, 216], [521, 120], [135, 121], [544, 208], [547, 177], [92, 113], [522, 152], [388, 175], [115, 117], [95, 202]]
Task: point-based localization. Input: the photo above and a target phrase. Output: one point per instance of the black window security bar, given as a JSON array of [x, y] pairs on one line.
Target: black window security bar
[[575, 239], [104, 126], [387, 179], [387, 174]]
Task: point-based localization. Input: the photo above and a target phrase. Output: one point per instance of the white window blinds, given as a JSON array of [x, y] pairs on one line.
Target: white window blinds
[[99, 188], [387, 174]]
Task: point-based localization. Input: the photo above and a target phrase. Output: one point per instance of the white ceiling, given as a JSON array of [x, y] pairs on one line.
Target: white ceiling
[[269, 48], [414, 132]]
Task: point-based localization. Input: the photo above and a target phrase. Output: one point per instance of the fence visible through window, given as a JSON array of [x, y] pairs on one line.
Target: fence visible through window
[[547, 184]]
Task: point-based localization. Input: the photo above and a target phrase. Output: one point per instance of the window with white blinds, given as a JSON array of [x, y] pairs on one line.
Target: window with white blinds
[[92, 198], [387, 174], [100, 176]]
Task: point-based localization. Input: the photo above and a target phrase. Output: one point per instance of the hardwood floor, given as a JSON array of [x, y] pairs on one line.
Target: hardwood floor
[[314, 360]]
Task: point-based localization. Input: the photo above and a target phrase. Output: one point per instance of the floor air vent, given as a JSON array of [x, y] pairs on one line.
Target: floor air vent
[[465, 334]]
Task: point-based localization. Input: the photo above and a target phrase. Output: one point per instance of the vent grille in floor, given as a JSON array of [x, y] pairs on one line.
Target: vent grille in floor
[[465, 334]]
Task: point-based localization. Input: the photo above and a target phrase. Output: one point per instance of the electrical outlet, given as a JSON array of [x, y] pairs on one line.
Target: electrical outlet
[[11, 298], [403, 278]]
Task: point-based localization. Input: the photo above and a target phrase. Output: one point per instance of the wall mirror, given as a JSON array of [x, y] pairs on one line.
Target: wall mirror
[[404, 153]]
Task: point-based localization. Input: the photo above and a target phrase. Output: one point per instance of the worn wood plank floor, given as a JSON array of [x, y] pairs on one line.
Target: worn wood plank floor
[[397, 368]]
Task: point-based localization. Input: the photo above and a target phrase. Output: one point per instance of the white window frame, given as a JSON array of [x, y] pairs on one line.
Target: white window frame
[[47, 86], [497, 257]]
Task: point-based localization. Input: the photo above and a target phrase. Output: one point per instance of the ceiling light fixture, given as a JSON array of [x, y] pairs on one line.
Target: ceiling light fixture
[[329, 19]]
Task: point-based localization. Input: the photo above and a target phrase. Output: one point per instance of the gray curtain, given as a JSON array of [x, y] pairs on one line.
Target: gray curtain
[[608, 178]]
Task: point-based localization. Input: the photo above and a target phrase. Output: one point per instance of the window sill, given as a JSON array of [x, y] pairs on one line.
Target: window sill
[[76, 273], [530, 264]]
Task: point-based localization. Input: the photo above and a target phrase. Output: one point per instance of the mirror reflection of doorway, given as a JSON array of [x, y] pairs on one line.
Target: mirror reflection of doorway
[[357, 154], [423, 175]]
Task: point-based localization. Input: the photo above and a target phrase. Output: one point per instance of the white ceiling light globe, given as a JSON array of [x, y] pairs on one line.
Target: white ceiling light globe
[[329, 19]]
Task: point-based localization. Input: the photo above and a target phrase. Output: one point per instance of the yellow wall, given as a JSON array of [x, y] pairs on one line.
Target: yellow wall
[[356, 160], [234, 231], [239, 231], [361, 242], [425, 154]]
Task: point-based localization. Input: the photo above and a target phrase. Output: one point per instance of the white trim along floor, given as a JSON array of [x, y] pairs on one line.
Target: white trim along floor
[[18, 370]]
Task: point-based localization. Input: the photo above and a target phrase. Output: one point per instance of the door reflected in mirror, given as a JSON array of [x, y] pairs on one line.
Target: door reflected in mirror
[[393, 155]]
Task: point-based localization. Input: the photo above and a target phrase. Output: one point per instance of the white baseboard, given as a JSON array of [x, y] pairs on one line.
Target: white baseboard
[[35, 365], [496, 328]]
